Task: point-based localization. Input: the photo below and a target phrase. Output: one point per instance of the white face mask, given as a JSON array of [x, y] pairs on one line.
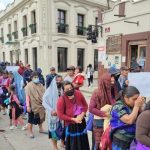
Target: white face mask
[[36, 80]]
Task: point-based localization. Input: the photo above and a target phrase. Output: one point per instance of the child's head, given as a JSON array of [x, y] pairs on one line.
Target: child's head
[[12, 88]]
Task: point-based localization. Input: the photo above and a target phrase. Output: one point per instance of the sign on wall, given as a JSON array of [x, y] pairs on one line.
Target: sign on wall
[[113, 45]]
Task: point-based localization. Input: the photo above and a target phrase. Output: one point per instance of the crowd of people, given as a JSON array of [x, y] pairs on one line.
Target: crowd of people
[[119, 117]]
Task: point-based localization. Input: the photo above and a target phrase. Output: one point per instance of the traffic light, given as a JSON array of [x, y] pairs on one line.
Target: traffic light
[[94, 36], [89, 32]]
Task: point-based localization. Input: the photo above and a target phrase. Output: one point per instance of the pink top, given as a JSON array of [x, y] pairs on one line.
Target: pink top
[[14, 98]]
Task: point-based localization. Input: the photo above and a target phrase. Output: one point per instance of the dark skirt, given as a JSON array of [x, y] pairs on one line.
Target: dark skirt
[[33, 118], [76, 137], [18, 110]]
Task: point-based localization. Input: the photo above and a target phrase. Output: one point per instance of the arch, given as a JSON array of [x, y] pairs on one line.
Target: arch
[[82, 6], [62, 1], [62, 39], [81, 41]]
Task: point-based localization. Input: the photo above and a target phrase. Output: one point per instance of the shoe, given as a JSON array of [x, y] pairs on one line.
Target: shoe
[[13, 127], [4, 113], [31, 136], [24, 128]]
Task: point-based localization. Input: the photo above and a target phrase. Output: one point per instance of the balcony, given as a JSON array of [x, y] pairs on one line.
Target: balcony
[[24, 31], [2, 39], [62, 28], [9, 37], [33, 28], [81, 31], [15, 34]]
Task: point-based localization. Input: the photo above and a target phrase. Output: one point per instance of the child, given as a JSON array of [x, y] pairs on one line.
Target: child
[[15, 109]]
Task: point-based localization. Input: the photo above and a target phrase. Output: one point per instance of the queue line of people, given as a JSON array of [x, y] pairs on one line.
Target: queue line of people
[[115, 107]]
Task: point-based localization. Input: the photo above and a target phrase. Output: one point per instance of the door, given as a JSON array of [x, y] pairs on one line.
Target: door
[[142, 56], [35, 58], [137, 54]]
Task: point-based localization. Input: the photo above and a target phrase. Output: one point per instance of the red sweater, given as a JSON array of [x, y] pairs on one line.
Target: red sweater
[[66, 107]]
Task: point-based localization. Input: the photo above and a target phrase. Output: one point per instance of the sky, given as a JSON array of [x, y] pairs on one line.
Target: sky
[[4, 3]]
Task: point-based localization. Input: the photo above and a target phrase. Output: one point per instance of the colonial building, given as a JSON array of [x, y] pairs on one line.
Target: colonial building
[[47, 33], [126, 32]]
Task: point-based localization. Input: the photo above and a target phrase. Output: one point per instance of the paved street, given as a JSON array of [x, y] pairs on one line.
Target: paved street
[[17, 139]]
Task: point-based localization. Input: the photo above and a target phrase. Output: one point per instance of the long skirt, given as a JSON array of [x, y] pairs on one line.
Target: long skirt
[[76, 137]]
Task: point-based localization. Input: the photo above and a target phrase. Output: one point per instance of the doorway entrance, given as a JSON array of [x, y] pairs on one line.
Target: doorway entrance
[[137, 55]]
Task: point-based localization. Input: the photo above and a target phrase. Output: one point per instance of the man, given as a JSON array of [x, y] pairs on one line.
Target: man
[[70, 74], [27, 74], [50, 77], [41, 77], [123, 79], [36, 112]]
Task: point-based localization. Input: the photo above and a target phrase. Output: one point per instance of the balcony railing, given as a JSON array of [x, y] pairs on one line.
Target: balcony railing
[[62, 28], [24, 31], [33, 28], [81, 30], [15, 34], [9, 37], [2, 39]]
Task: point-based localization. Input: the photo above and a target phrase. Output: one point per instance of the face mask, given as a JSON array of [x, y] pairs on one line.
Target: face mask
[[36, 81], [70, 92], [59, 85]]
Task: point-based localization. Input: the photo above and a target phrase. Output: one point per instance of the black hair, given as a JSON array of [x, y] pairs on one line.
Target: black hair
[[58, 76], [5, 72], [12, 88], [67, 83], [33, 74], [129, 91], [147, 106], [90, 65]]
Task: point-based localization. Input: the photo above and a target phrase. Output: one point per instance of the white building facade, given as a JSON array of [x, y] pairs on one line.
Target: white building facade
[[47, 33], [126, 32]]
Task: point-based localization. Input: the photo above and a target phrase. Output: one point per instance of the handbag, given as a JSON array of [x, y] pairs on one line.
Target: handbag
[[60, 130], [89, 123]]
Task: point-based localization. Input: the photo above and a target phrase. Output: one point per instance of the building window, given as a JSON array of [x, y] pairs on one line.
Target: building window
[[26, 56], [62, 59], [3, 56], [34, 58], [33, 24], [2, 35], [62, 26], [9, 35], [80, 57], [96, 60], [15, 33], [24, 28], [81, 30]]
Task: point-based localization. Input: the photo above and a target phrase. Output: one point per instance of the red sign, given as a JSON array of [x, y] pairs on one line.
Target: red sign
[[107, 30]]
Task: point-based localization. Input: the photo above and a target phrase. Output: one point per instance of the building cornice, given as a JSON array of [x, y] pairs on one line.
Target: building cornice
[[14, 9]]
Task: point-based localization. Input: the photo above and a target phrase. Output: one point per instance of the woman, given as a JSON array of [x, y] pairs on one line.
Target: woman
[[71, 108], [36, 112], [50, 98], [124, 114], [90, 73], [78, 80], [143, 129], [101, 97]]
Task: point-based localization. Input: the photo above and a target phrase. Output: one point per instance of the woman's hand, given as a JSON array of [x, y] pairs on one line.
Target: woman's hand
[[80, 117], [28, 109], [139, 102], [76, 120], [54, 113]]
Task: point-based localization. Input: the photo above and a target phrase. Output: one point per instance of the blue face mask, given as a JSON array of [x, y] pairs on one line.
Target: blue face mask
[[36, 81]]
